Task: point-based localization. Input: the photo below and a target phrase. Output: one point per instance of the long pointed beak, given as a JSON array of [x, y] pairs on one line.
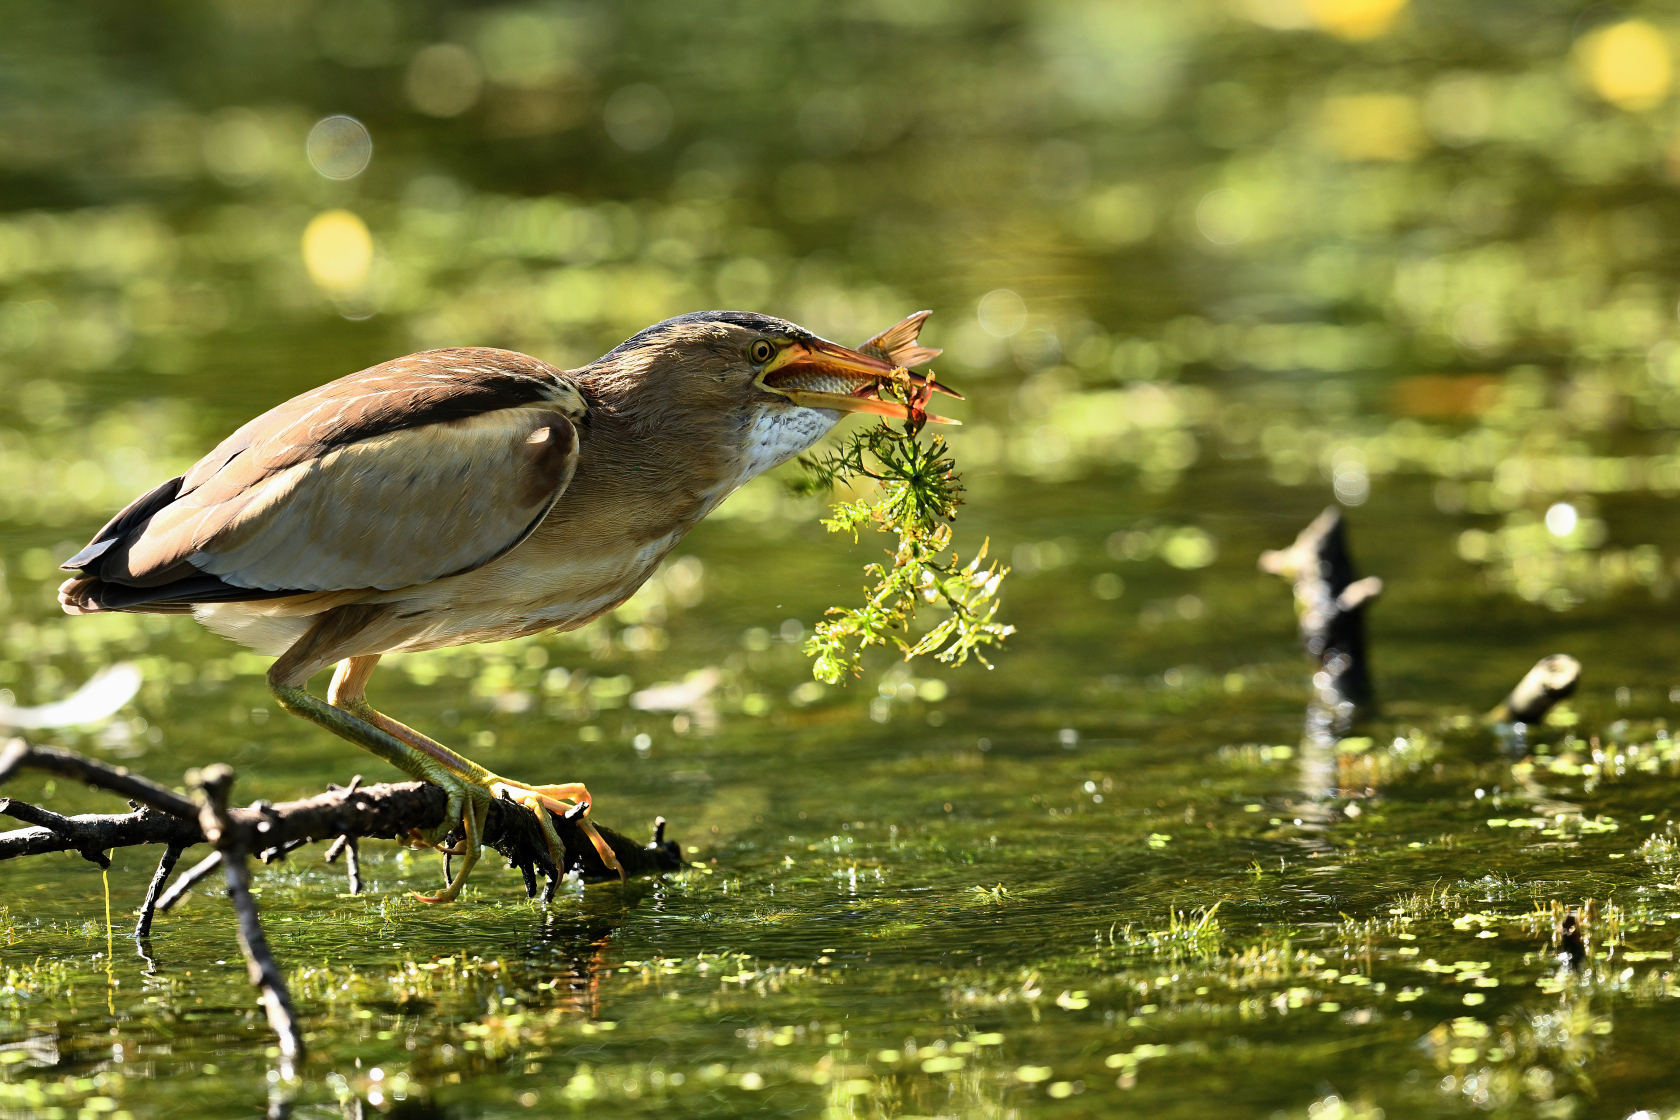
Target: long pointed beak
[[823, 374]]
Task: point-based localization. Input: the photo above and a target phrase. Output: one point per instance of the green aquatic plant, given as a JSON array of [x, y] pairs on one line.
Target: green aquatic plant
[[916, 494], [991, 896]]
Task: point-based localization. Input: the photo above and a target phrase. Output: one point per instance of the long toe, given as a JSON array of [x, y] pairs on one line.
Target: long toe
[[602, 848], [542, 807], [472, 821]]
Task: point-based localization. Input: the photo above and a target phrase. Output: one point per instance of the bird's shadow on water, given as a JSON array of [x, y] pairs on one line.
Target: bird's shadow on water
[[571, 950]]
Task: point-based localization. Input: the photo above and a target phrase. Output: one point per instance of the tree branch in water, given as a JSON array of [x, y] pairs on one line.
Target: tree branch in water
[[361, 812], [162, 816], [1553, 679]]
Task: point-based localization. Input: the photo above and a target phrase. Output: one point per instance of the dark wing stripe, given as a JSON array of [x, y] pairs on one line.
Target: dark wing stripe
[[103, 596], [433, 387], [133, 517], [435, 393]]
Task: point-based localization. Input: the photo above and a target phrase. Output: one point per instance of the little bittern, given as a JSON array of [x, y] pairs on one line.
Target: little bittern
[[473, 495]]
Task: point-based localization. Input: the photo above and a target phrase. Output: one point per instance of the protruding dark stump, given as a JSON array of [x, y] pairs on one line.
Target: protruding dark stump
[[1552, 680], [1330, 601]]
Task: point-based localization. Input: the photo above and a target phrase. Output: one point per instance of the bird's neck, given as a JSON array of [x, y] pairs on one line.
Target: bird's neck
[[708, 442]]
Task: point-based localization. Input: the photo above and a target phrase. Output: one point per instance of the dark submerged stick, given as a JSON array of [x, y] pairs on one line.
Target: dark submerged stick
[[1330, 601], [353, 865], [346, 846], [148, 908], [189, 879], [347, 843], [215, 783]]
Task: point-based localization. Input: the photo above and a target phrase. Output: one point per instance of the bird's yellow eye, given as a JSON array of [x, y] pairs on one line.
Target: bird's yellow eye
[[761, 351]]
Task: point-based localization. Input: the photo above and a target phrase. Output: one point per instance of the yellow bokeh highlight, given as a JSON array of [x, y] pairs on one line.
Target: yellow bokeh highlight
[[338, 251], [1372, 126], [1355, 19], [1629, 64]]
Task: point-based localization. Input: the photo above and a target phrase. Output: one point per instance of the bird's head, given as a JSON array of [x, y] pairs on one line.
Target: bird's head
[[743, 362]]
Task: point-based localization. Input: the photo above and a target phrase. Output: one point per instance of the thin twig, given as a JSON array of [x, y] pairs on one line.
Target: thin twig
[[148, 908], [189, 879], [353, 865], [347, 843], [280, 851], [215, 782], [18, 753]]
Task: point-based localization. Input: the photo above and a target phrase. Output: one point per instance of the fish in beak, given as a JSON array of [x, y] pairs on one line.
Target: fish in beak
[[817, 373]]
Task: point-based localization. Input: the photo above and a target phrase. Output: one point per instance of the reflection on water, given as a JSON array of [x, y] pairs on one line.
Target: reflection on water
[[1200, 269]]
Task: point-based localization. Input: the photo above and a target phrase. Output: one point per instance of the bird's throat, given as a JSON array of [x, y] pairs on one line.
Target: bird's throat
[[777, 433], [771, 435]]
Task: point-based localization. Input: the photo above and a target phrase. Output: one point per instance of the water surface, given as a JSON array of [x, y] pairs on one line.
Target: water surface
[[1201, 270]]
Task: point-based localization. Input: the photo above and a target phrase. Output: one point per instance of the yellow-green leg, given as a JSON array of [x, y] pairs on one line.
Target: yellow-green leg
[[467, 803], [469, 786]]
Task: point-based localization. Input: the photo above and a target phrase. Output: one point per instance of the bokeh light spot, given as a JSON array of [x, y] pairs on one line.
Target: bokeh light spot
[[237, 148], [1119, 215], [525, 49], [1189, 548], [1224, 217], [1372, 126], [637, 117], [1629, 64], [339, 147], [338, 251], [1002, 313], [1355, 19], [443, 80]]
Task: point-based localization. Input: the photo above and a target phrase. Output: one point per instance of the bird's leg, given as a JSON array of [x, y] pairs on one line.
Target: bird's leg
[[541, 800], [468, 802], [468, 783]]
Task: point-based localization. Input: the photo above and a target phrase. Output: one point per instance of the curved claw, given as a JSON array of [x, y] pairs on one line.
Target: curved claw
[[543, 800], [602, 848], [473, 820], [540, 807], [579, 796]]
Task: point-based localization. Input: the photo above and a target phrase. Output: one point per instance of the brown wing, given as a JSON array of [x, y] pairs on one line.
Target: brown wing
[[897, 344], [422, 467]]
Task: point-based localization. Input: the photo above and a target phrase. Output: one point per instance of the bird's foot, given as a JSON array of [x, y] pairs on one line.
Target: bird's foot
[[543, 800], [470, 787], [469, 803]]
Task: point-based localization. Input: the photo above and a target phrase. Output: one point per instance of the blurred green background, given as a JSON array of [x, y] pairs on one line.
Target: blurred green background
[[1201, 267], [1341, 239]]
